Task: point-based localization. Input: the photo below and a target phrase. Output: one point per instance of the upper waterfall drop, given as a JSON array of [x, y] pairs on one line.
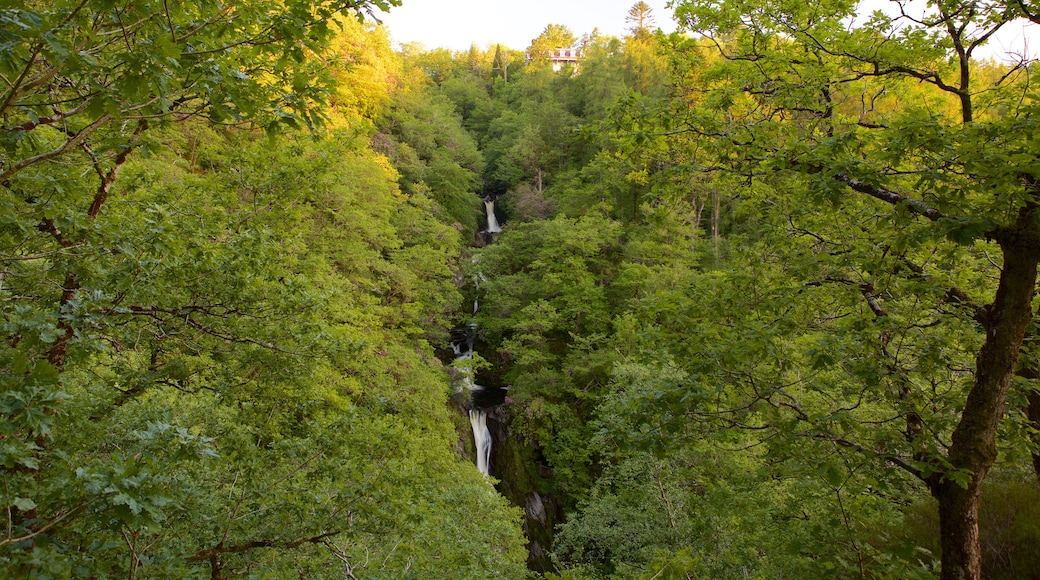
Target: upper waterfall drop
[[492, 221]]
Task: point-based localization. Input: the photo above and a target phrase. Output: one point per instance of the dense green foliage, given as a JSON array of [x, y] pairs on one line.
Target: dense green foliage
[[220, 363], [763, 299]]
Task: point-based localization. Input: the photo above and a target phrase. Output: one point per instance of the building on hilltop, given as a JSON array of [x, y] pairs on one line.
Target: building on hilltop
[[560, 57]]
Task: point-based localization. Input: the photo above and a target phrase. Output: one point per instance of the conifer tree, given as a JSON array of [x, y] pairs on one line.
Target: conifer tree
[[641, 17]]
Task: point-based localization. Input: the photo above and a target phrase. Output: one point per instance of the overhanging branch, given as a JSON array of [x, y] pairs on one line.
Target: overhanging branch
[[889, 196], [216, 551]]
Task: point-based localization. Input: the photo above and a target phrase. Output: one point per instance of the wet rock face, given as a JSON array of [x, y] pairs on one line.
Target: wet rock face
[[516, 465], [534, 509], [536, 555]]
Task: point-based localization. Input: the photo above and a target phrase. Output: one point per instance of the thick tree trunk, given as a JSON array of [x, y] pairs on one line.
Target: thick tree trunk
[[959, 528], [973, 449]]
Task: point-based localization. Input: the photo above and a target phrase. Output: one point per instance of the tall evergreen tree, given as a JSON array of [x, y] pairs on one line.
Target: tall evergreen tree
[[641, 17]]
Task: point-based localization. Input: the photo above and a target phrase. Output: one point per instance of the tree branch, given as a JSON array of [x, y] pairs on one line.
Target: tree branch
[[216, 551], [894, 460], [109, 178], [887, 195], [63, 148], [1029, 15], [72, 513]]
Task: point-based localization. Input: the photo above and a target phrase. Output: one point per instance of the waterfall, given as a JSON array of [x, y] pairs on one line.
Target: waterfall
[[480, 398], [477, 279], [462, 347], [481, 438], [493, 227]]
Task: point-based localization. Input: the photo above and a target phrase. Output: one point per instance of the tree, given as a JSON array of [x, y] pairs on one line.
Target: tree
[[500, 62], [85, 82], [808, 104], [75, 68], [244, 403], [641, 18], [433, 152], [553, 38]]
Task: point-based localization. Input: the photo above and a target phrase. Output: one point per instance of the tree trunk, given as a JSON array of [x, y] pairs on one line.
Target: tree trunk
[[959, 529], [1033, 414], [1030, 370], [973, 449], [716, 209]]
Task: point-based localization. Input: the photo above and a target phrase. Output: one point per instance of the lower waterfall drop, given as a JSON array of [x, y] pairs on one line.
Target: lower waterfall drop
[[481, 439], [492, 226], [481, 398]]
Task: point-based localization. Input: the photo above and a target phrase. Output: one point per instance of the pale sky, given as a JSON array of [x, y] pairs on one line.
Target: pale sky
[[456, 24]]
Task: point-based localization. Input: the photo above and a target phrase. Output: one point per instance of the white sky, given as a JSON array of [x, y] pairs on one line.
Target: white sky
[[456, 24]]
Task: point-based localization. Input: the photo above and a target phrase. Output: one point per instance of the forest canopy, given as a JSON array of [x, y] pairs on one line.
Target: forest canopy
[[763, 302]]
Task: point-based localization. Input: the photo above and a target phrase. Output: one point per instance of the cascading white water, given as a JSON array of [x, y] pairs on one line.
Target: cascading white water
[[493, 227], [481, 438], [477, 279], [462, 344]]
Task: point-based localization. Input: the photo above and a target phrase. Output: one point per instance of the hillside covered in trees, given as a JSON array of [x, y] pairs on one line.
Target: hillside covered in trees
[[763, 300]]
